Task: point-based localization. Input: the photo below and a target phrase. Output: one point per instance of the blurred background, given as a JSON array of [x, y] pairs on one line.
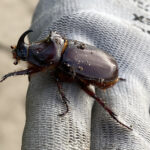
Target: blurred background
[[15, 18]]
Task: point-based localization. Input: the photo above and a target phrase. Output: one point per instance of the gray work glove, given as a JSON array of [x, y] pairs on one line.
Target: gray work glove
[[119, 27]]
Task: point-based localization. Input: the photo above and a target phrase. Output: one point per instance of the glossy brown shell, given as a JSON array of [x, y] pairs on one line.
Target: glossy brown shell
[[88, 62]]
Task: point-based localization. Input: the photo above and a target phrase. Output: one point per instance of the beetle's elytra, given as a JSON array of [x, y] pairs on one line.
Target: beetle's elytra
[[70, 60]]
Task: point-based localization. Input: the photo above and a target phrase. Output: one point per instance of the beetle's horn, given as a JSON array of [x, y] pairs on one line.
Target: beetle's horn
[[21, 39], [19, 46]]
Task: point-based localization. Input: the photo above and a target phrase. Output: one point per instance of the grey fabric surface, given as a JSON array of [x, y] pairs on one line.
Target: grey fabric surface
[[113, 26]]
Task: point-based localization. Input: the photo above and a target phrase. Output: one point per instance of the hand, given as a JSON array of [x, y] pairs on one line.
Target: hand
[[87, 126]]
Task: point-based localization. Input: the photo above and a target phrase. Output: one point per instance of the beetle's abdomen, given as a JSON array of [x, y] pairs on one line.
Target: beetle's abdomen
[[89, 62]]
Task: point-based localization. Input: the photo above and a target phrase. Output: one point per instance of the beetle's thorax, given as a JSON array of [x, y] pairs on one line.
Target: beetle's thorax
[[43, 53], [47, 52], [59, 43]]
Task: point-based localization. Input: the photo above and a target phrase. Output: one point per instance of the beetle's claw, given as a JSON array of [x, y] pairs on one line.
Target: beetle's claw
[[67, 109], [122, 79], [115, 117], [64, 113], [3, 78]]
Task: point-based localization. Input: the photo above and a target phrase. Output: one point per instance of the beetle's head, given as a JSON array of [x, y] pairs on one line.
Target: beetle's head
[[42, 53], [20, 52]]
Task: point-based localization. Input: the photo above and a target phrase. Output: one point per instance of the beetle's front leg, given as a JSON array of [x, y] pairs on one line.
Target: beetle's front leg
[[64, 99], [100, 101], [28, 71]]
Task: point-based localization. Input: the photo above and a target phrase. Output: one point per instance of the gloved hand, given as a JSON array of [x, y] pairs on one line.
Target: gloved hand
[[117, 27]]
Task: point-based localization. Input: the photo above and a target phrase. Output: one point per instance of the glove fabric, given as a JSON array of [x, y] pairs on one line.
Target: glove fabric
[[119, 27]]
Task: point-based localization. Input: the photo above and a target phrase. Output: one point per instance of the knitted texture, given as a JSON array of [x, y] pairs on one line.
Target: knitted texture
[[119, 27]]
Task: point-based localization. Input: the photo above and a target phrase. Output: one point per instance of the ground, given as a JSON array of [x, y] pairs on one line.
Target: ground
[[15, 18]]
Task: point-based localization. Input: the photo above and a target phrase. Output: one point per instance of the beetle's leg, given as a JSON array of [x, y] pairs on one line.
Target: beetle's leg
[[100, 101], [22, 72], [33, 70], [64, 99]]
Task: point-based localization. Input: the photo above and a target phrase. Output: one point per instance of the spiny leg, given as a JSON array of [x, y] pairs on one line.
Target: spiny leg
[[100, 101], [64, 99], [22, 72]]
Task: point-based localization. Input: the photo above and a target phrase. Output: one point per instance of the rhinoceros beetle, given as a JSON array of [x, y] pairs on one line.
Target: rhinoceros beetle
[[69, 60]]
